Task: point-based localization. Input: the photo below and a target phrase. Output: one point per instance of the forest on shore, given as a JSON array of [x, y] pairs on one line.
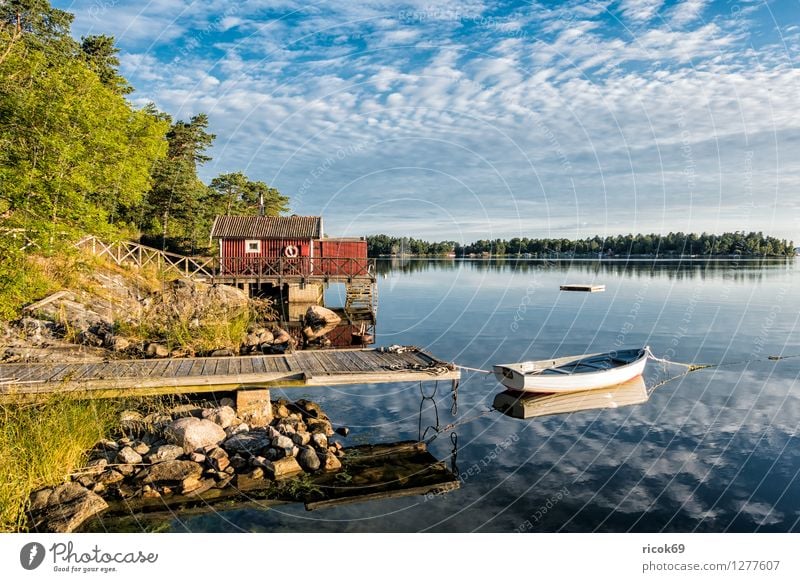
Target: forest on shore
[[77, 157], [673, 244]]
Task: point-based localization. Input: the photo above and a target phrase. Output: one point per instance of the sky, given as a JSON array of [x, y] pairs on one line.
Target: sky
[[484, 119]]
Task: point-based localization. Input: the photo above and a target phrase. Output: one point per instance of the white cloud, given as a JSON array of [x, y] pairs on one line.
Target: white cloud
[[640, 10]]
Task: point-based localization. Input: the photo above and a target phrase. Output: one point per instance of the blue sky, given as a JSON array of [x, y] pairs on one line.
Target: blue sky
[[481, 119]]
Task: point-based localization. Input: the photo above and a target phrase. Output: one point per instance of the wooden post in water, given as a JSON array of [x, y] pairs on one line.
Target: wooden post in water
[[254, 406]]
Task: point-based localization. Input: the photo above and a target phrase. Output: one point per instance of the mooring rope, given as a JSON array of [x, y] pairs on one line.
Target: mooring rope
[[694, 367], [472, 369]]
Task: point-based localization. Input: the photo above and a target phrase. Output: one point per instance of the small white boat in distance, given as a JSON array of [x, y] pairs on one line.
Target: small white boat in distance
[[573, 373]]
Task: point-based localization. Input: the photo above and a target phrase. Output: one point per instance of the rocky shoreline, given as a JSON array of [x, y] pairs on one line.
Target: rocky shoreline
[[186, 451]]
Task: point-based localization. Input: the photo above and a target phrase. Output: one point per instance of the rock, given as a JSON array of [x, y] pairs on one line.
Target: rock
[[286, 429], [251, 443], [229, 470], [156, 350], [120, 344], [252, 480], [280, 411], [197, 457], [194, 433], [319, 321], [320, 441], [283, 468], [126, 491], [330, 462], [259, 461], [125, 442], [165, 453], [67, 506], [106, 445], [308, 459], [294, 451], [282, 442], [237, 429], [281, 337], [96, 466], [308, 409], [141, 447], [199, 488], [273, 454], [301, 438], [223, 415], [126, 470], [109, 477], [170, 472], [184, 410], [265, 336], [85, 480], [218, 459], [238, 462], [319, 425], [343, 430], [227, 402], [222, 353]]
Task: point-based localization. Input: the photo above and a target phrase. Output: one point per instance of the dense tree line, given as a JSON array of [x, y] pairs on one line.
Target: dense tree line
[[77, 157], [672, 244]]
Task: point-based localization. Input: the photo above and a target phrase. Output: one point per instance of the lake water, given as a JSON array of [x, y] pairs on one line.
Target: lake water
[[716, 450]]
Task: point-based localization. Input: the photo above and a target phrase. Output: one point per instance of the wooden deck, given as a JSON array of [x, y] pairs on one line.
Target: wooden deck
[[115, 378]]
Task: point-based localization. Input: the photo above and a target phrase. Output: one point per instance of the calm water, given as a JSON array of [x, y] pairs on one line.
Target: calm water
[[714, 451]]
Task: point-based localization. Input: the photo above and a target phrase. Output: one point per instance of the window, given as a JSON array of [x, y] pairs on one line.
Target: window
[[252, 246]]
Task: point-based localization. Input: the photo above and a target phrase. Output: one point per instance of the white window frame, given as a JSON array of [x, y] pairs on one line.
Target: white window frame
[[248, 250]]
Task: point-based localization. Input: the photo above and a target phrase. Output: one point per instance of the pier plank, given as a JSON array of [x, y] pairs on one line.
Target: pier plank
[[173, 376]]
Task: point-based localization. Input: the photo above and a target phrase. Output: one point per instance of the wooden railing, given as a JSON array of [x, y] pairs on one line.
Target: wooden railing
[[298, 267], [320, 268], [142, 256]]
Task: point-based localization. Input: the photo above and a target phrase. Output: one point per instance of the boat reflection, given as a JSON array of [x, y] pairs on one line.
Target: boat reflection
[[527, 405]]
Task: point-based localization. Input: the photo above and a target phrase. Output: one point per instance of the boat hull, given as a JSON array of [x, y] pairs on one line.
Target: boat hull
[[532, 376]]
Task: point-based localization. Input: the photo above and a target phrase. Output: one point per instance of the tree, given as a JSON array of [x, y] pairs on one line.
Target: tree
[[72, 150], [101, 56], [174, 204]]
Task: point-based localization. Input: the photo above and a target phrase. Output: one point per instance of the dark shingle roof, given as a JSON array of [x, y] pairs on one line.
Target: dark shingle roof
[[267, 227]]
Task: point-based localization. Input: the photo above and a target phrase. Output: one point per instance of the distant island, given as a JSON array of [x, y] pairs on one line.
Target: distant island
[[672, 245]]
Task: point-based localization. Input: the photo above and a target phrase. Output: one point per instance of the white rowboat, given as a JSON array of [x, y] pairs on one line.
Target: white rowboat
[[573, 373]]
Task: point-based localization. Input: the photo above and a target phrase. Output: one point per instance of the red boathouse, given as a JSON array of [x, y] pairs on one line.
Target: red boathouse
[[286, 248]]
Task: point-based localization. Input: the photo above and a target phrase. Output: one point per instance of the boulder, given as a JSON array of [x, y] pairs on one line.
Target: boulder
[[320, 425], [301, 438], [330, 462], [318, 321], [218, 459], [283, 468], [156, 350], [65, 508], [280, 411], [237, 429], [131, 421], [222, 415], [120, 344], [170, 472], [282, 337], [194, 433], [197, 457], [128, 456], [165, 453], [141, 447], [109, 477], [343, 430], [96, 466], [320, 440], [308, 459], [251, 443], [282, 442], [222, 353], [195, 487]]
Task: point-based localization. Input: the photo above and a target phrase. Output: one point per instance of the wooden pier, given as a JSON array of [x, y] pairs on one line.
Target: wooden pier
[[124, 378]]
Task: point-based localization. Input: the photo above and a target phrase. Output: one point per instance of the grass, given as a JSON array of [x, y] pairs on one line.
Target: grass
[[42, 444]]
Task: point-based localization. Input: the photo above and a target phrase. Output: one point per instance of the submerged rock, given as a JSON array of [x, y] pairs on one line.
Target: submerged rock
[[170, 472]]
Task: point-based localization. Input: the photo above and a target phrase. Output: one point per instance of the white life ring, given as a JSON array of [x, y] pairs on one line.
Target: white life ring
[[291, 251]]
